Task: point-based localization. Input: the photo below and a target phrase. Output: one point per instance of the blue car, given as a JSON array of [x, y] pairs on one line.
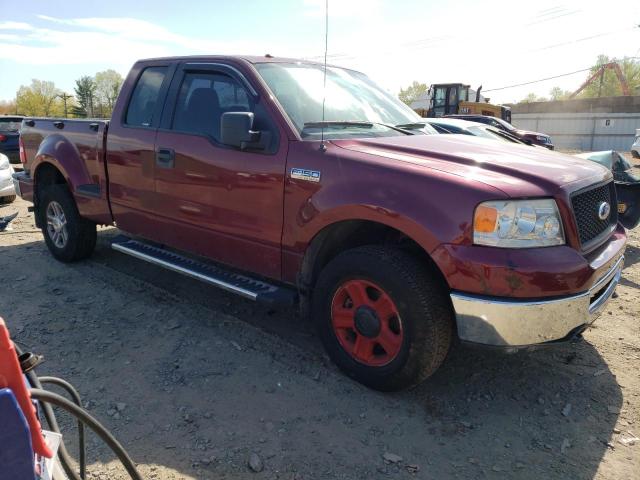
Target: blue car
[[9, 136]]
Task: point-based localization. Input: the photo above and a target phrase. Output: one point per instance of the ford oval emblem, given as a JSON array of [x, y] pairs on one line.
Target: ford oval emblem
[[604, 209]]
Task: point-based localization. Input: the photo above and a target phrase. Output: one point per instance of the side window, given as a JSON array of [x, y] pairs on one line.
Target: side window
[[143, 102], [202, 100]]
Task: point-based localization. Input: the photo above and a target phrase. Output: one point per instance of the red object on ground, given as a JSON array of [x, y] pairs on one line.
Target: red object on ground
[[11, 377], [366, 322]]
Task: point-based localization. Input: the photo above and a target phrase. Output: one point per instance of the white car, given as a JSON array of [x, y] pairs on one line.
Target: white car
[[7, 192], [635, 148]]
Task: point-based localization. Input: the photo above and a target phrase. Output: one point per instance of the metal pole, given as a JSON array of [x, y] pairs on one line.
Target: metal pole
[[64, 98]]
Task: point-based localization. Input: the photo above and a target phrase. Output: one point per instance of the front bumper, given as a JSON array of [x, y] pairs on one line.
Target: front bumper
[[516, 323]]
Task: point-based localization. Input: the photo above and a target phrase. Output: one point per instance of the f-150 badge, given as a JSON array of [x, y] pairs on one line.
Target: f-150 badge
[[308, 175]]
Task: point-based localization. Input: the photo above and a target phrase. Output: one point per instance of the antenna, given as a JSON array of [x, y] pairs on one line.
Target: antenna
[[323, 147]]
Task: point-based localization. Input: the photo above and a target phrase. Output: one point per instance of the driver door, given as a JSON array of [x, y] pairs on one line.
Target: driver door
[[211, 199]]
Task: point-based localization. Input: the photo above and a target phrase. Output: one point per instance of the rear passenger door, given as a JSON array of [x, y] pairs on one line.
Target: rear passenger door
[[131, 147], [212, 199]]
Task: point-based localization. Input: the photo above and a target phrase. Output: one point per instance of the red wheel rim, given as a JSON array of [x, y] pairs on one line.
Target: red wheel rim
[[366, 322]]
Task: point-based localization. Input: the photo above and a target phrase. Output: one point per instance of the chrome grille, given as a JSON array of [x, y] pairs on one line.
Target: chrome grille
[[585, 208]]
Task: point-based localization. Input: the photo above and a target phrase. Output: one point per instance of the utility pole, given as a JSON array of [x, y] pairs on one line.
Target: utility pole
[[64, 98]]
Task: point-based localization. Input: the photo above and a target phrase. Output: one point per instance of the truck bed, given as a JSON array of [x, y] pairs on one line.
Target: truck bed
[[76, 147]]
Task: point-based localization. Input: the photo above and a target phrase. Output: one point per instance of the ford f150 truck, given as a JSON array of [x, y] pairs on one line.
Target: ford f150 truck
[[249, 174]]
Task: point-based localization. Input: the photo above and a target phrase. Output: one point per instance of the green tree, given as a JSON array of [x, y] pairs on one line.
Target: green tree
[[413, 92], [85, 93], [41, 98], [108, 85], [610, 86]]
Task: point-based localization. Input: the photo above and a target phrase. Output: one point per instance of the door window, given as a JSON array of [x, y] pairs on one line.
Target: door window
[[143, 103], [202, 100], [440, 97]]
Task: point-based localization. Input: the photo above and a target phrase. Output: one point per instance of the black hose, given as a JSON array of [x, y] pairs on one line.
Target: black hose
[[58, 400], [63, 454], [78, 401]]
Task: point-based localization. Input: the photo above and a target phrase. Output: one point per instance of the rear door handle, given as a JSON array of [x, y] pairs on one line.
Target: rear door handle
[[165, 158]]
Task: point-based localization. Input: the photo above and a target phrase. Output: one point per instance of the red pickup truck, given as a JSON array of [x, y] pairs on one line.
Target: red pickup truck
[[235, 171]]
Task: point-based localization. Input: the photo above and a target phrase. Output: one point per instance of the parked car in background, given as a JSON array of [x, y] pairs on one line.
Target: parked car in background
[[7, 191], [526, 136], [464, 127], [635, 148], [626, 181], [9, 136]]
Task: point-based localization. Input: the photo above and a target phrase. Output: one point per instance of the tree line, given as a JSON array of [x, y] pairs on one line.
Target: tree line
[[94, 97], [609, 87]]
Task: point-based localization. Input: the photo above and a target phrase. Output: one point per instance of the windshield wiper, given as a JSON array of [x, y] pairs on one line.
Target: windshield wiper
[[411, 126], [349, 123], [336, 123]]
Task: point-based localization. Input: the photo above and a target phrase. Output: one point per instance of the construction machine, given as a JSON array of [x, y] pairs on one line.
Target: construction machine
[[599, 73], [453, 99]]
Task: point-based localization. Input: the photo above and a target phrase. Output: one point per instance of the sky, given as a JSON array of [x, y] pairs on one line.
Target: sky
[[493, 43]]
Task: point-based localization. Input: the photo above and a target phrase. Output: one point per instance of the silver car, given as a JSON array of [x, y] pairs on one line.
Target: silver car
[[635, 148]]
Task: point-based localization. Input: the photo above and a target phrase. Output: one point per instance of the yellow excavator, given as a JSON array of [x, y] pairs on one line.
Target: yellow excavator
[[453, 99]]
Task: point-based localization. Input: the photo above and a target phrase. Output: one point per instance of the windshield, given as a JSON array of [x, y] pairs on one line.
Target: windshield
[[350, 97], [484, 132], [506, 125], [9, 125]]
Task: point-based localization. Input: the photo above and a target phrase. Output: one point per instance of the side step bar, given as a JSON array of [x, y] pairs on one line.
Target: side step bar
[[242, 285]]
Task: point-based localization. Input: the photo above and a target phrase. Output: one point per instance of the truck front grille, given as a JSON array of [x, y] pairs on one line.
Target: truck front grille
[[586, 205]]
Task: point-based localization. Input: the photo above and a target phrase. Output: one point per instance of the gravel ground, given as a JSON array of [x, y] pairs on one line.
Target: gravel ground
[[198, 384]]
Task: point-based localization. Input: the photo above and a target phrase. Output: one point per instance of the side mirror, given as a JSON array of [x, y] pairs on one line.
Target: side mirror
[[236, 130]]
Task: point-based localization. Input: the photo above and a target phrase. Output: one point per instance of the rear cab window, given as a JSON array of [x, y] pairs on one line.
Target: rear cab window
[[10, 124], [143, 106]]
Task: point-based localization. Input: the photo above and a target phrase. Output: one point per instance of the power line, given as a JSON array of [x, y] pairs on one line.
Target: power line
[[555, 76], [538, 81]]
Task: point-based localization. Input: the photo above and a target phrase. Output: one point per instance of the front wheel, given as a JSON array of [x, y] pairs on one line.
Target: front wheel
[[383, 318], [68, 236]]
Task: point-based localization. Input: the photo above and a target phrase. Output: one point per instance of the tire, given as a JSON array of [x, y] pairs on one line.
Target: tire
[[410, 333], [80, 238], [635, 154], [8, 199]]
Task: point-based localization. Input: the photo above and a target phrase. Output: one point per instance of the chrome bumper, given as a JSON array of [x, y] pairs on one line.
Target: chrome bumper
[[16, 184], [505, 322]]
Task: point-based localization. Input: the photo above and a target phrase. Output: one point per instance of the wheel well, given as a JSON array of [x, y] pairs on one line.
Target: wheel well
[[349, 234], [45, 175]]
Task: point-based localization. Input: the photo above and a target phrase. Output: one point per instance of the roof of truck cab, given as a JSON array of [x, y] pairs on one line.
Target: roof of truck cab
[[249, 58]]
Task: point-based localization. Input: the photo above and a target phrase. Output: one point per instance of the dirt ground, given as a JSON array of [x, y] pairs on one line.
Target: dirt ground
[[193, 381]]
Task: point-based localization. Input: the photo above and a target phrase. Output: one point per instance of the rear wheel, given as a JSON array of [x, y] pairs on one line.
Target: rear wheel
[[68, 236], [635, 154], [383, 318]]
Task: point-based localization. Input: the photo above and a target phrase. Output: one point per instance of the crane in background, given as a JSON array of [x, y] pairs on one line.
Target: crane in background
[[600, 73]]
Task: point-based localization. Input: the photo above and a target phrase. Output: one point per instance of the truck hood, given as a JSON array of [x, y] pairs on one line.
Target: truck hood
[[516, 170]]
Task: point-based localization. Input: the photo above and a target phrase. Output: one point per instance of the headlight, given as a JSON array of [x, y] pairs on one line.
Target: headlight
[[518, 224], [4, 162]]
